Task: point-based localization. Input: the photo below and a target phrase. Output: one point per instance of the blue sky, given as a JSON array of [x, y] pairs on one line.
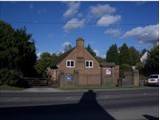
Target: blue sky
[[101, 24]]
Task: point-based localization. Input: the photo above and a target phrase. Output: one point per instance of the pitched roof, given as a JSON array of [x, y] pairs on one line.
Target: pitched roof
[[64, 55], [61, 57]]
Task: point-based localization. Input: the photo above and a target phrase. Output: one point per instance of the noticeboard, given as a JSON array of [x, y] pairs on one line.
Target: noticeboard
[[68, 77], [108, 71]]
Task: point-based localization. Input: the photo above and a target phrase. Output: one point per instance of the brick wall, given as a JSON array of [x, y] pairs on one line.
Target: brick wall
[[86, 76]]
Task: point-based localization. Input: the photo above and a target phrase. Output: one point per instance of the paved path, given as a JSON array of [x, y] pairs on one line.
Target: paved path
[[42, 89]]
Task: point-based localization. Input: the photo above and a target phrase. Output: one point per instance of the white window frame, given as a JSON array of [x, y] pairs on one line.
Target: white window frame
[[70, 63], [89, 63]]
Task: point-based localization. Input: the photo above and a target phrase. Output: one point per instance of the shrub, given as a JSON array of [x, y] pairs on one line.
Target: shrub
[[10, 77], [22, 83], [123, 68]]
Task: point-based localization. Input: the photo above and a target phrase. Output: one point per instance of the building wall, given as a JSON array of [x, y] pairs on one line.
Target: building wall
[[80, 75], [86, 76]]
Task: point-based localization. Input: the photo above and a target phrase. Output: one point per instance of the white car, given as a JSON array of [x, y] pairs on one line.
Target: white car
[[153, 79]]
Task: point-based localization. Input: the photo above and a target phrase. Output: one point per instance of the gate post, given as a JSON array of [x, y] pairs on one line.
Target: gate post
[[75, 78], [136, 78], [61, 79]]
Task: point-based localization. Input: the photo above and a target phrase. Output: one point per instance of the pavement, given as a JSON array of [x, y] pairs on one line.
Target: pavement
[[124, 104], [42, 89]]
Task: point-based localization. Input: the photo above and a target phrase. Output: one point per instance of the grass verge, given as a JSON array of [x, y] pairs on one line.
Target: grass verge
[[7, 87], [102, 88]]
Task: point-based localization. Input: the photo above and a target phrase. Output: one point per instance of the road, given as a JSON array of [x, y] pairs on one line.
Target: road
[[138, 104]]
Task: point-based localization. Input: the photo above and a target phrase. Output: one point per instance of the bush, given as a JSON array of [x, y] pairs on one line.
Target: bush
[[22, 83], [10, 77], [123, 68]]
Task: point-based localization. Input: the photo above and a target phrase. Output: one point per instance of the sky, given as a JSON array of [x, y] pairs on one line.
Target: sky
[[100, 24]]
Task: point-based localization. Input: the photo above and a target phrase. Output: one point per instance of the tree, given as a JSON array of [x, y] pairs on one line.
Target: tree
[[17, 51], [26, 58], [112, 54], [46, 60], [134, 56], [152, 63], [100, 59], [7, 49], [91, 51], [124, 54]]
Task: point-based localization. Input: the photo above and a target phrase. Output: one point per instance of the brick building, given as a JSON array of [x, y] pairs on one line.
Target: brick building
[[78, 67]]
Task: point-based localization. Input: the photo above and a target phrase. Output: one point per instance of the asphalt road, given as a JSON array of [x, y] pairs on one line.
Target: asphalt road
[[138, 104]]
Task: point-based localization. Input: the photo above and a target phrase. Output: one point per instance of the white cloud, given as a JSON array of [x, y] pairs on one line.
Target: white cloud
[[97, 52], [65, 46], [100, 10], [103, 56], [74, 23], [39, 54], [108, 20], [113, 32], [73, 8], [149, 34], [66, 43]]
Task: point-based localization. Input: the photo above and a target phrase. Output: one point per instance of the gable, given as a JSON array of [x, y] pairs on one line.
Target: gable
[[63, 56], [89, 54], [79, 53]]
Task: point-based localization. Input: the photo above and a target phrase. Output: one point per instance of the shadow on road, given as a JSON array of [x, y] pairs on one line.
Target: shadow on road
[[149, 117], [87, 109]]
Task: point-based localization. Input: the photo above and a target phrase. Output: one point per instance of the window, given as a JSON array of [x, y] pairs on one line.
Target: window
[[70, 63], [89, 64]]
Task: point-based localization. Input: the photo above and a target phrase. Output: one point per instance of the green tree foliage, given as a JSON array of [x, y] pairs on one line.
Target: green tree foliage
[[9, 77], [123, 68], [91, 51], [152, 63], [124, 55], [17, 50], [27, 52], [112, 54], [7, 49], [46, 60], [134, 56], [100, 59], [140, 67]]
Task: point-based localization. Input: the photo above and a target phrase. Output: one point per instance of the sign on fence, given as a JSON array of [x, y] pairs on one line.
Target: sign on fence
[[68, 77], [108, 71]]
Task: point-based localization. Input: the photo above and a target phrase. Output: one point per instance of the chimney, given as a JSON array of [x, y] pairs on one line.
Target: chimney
[[80, 43]]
